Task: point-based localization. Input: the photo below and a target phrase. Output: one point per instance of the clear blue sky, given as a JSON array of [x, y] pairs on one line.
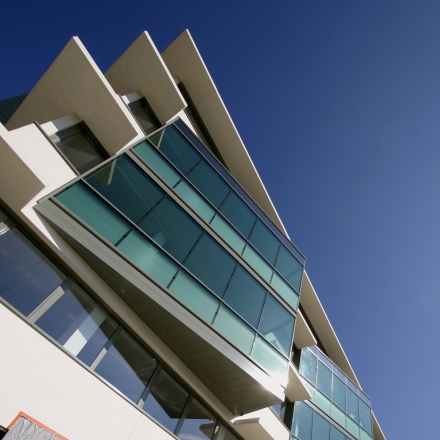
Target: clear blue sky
[[338, 103]]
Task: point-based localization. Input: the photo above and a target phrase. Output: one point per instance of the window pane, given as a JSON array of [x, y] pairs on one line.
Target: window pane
[[228, 233], [238, 213], [234, 329], [277, 325], [322, 402], [27, 277], [94, 211], [77, 323], [127, 366], [178, 150], [289, 268], [264, 240], [143, 116], [351, 427], [166, 400], [148, 257], [269, 358], [352, 405], [211, 264], [257, 262], [246, 296], [171, 228], [338, 392], [338, 415], [335, 434], [195, 200], [365, 436], [209, 183], [365, 416], [308, 365], [321, 428], [155, 160], [302, 421], [324, 381], [285, 291], [127, 187], [195, 296], [199, 423]]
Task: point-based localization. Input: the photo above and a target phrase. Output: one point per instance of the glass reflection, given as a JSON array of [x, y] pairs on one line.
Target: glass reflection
[[199, 423]]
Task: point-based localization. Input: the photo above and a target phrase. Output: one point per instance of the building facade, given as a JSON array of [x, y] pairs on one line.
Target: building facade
[[148, 288]]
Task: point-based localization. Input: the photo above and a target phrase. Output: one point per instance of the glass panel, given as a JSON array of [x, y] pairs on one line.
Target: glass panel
[[365, 436], [148, 257], [127, 187], [311, 389], [285, 291], [353, 387], [290, 268], [211, 264], [279, 410], [171, 228], [263, 239], [209, 183], [324, 381], [195, 200], [246, 296], [195, 296], [234, 329], [143, 116], [321, 428], [228, 233], [199, 423], [269, 358], [257, 262], [277, 325], [77, 323], [338, 415], [155, 160], [322, 402], [351, 427], [365, 398], [338, 392], [27, 277], [308, 365], [302, 421], [166, 400], [238, 213], [90, 208], [352, 405], [325, 360], [335, 434], [178, 150], [127, 366], [365, 416]]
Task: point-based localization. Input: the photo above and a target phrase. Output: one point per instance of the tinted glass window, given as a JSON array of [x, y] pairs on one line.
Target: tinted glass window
[[265, 241], [238, 213], [352, 405], [338, 392], [324, 381], [289, 268], [143, 116], [199, 423], [321, 428], [307, 366], [365, 416], [302, 421], [269, 358]]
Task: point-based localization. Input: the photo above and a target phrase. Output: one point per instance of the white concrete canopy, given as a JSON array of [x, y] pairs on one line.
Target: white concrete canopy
[[141, 69], [303, 336], [296, 389], [185, 63], [74, 84]]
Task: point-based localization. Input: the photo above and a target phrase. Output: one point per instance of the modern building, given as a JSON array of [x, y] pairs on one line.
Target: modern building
[[148, 288]]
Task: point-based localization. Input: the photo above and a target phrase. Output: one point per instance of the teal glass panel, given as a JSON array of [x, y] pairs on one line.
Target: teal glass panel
[[246, 296], [199, 423], [302, 421], [178, 150], [127, 187], [308, 365], [352, 427], [238, 213], [195, 296], [234, 329], [321, 428], [285, 291], [211, 264], [365, 416], [265, 241], [337, 415], [311, 389], [365, 436], [254, 259], [324, 381], [90, 208], [277, 325], [290, 268], [155, 160], [228, 233], [209, 183], [269, 358], [352, 405], [195, 200], [148, 257], [335, 434], [322, 402], [338, 395], [172, 228]]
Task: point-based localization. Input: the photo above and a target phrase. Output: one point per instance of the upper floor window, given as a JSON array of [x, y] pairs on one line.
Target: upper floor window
[[144, 115]]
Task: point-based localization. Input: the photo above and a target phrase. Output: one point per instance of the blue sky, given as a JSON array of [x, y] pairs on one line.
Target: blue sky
[[338, 103]]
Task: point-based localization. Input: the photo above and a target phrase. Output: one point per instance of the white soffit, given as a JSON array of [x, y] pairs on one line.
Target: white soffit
[[296, 389], [184, 62], [303, 336], [74, 84], [141, 69]]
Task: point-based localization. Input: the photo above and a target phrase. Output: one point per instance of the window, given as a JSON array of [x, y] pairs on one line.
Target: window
[[144, 115]]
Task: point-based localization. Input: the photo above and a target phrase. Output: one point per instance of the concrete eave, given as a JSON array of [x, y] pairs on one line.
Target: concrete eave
[[185, 63], [303, 336], [74, 84], [141, 69], [296, 389]]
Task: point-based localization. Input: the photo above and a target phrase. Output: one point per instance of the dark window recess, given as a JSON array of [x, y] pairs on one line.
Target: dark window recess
[[80, 147], [144, 115]]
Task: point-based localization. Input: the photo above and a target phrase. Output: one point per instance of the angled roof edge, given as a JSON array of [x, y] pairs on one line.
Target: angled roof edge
[[186, 65]]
